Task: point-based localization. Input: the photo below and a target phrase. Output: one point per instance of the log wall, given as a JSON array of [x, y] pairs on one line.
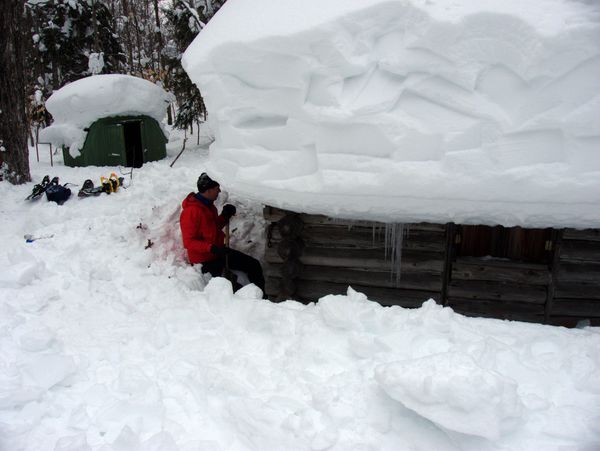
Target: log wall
[[576, 278], [309, 256], [337, 253]]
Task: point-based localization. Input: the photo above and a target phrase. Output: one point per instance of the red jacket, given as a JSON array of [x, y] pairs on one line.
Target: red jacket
[[200, 228]]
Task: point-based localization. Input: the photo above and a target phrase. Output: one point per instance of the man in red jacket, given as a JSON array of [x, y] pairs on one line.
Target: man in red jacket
[[203, 237]]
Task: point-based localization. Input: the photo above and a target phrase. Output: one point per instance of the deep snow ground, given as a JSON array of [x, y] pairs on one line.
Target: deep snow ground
[[106, 344]]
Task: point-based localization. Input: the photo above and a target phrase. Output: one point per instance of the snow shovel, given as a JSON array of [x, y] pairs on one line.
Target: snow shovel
[[227, 273], [31, 238]]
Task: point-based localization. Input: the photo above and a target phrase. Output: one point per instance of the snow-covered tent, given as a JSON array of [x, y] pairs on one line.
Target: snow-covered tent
[[479, 119], [108, 120]]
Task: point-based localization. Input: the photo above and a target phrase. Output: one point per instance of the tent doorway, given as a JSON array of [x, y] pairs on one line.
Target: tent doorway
[[134, 153]]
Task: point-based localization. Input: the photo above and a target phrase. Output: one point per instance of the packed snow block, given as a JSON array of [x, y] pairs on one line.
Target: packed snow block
[[22, 269], [487, 107], [456, 393], [73, 443], [37, 340], [47, 370]]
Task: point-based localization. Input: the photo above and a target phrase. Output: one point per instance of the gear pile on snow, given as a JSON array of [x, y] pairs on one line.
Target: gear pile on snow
[[107, 185], [55, 192]]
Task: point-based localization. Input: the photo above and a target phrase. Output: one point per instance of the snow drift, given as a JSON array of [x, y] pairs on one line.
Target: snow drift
[[77, 105], [407, 110], [109, 343]]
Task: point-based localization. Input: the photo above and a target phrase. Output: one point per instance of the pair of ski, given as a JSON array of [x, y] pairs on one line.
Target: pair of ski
[[107, 185]]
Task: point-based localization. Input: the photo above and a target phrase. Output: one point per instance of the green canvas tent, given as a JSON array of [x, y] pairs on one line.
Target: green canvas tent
[[121, 140]]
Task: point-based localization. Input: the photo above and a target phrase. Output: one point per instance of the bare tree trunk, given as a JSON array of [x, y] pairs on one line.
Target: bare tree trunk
[[13, 121], [129, 44], [95, 27], [169, 114], [159, 38], [138, 40]]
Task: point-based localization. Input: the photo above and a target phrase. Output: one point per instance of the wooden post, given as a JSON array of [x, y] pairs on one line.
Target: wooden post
[[290, 249], [37, 138], [448, 258], [551, 289]]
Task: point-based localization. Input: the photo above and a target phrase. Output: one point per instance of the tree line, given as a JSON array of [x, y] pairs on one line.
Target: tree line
[[50, 43]]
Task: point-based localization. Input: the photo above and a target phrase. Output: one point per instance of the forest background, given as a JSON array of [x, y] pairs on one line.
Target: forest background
[[49, 43]]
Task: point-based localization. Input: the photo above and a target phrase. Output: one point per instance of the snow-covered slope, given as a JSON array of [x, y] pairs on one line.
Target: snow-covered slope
[[111, 342], [408, 110], [75, 106]]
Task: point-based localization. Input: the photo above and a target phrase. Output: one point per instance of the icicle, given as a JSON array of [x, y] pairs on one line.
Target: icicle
[[394, 240]]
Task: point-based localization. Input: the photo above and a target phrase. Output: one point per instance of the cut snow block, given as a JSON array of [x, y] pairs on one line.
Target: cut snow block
[[454, 392]]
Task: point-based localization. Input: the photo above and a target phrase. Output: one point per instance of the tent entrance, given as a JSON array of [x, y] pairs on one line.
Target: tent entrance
[[134, 152]]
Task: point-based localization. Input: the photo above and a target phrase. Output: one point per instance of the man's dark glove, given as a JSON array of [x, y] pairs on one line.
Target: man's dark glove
[[219, 251], [228, 211]]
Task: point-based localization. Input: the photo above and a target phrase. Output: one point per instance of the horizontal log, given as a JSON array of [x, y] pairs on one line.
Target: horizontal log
[[500, 270], [579, 290], [571, 321], [577, 250], [311, 291], [368, 259], [497, 291], [408, 280], [518, 311], [520, 317], [332, 236], [273, 214], [580, 308], [584, 235], [578, 272]]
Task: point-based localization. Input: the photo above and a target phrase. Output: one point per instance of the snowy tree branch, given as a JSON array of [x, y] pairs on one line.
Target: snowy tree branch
[[194, 14]]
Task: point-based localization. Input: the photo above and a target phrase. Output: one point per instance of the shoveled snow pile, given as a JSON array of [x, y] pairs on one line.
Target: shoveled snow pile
[[408, 110], [77, 105]]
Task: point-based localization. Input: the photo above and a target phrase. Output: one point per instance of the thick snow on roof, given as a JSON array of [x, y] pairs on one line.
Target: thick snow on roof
[[408, 110], [77, 105]]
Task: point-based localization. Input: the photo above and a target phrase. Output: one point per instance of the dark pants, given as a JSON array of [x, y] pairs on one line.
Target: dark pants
[[240, 262]]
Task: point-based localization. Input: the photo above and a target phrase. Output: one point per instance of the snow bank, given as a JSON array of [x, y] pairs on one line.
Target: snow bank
[[407, 110], [77, 105], [110, 341]]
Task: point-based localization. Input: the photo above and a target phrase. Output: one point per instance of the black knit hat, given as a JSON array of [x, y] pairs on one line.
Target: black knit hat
[[205, 183]]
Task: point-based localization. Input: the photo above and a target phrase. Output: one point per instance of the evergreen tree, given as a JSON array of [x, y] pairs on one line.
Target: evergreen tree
[[70, 34], [185, 19]]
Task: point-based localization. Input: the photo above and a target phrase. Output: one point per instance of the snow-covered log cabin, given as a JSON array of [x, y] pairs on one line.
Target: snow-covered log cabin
[[467, 134]]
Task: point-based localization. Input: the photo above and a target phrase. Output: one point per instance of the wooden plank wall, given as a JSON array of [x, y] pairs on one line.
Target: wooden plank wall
[[336, 253], [577, 278], [498, 288]]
